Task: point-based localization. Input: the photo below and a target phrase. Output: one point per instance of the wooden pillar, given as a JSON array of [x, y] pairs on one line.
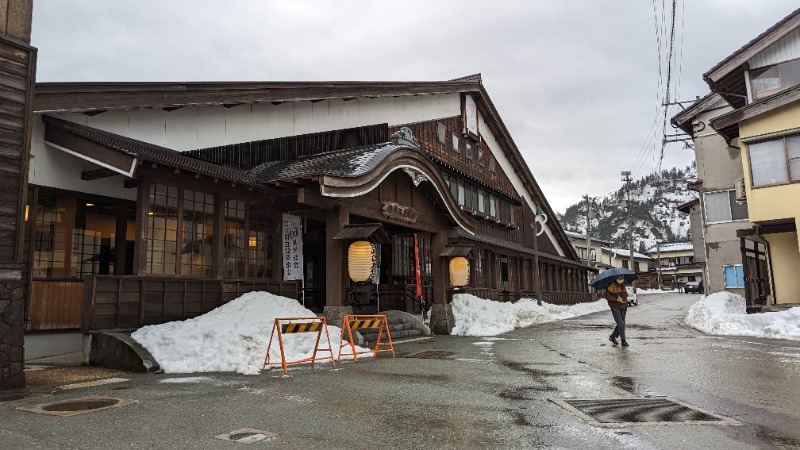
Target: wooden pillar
[[439, 267], [336, 278], [140, 245], [119, 238], [277, 246], [218, 245]]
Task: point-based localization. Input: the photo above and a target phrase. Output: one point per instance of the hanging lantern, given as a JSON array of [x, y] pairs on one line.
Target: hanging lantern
[[361, 261], [459, 271]]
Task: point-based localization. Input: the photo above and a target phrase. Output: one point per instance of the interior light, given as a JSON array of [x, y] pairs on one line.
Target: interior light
[[90, 204]]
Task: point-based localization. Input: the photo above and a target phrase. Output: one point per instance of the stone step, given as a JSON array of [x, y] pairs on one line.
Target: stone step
[[372, 337]]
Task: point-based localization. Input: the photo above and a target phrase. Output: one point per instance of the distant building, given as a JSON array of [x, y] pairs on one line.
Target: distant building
[[674, 263], [620, 257], [594, 251]]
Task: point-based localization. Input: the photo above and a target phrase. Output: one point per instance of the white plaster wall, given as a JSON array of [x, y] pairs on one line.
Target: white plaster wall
[[52, 167], [516, 181], [195, 127]]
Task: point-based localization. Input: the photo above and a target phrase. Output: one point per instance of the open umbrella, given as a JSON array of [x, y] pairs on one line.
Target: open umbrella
[[606, 277]]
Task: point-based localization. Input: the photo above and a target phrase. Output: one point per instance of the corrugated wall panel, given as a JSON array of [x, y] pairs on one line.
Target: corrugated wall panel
[[785, 49]]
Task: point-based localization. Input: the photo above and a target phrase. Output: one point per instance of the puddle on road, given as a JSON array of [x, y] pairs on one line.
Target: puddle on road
[[522, 367], [776, 439], [628, 384]]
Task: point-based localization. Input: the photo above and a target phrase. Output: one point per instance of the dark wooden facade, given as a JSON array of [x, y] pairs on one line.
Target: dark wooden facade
[[430, 181], [17, 75]]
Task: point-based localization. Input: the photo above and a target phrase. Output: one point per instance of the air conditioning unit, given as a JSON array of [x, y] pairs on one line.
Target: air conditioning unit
[[741, 192]]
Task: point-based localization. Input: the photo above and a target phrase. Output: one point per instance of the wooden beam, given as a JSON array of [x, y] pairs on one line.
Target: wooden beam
[[130, 183], [96, 174]]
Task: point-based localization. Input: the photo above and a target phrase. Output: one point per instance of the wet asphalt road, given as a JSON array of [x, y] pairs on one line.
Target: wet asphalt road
[[492, 393]]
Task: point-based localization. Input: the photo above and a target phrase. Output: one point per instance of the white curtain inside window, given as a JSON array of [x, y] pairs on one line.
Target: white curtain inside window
[[718, 207], [793, 151], [768, 163]]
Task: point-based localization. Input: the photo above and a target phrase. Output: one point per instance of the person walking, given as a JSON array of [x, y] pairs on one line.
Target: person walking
[[617, 297]]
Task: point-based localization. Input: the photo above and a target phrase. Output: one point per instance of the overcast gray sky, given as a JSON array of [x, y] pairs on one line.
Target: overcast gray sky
[[576, 82]]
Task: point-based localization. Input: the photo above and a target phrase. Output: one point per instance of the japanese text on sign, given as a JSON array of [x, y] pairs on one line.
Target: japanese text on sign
[[292, 248]]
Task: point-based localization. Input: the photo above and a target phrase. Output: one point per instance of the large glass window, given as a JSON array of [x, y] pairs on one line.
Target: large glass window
[[235, 235], [75, 237], [723, 207], [770, 80], [259, 243], [162, 230], [198, 233]]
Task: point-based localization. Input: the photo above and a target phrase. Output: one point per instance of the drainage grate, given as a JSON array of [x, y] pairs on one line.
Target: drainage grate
[[77, 406], [433, 354], [640, 411], [247, 436]]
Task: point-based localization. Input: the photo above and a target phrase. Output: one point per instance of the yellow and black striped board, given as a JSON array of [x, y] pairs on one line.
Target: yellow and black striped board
[[369, 323], [304, 327]]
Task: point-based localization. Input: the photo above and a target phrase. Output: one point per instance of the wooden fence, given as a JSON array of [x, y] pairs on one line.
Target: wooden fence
[[55, 305], [114, 302]]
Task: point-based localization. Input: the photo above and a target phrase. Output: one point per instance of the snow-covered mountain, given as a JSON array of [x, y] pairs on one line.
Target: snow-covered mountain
[[653, 202]]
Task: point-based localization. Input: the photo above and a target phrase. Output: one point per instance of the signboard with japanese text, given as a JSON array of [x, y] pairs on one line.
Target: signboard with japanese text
[[471, 116], [292, 247]]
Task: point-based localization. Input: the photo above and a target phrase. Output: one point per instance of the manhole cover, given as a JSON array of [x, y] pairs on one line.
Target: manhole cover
[[77, 406], [433, 354], [247, 436], [80, 405], [640, 411]]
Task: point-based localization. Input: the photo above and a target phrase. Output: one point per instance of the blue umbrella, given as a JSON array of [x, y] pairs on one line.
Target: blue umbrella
[[606, 277]]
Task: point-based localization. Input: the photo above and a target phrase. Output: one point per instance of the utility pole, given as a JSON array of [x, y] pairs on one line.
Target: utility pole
[[589, 217], [626, 177]]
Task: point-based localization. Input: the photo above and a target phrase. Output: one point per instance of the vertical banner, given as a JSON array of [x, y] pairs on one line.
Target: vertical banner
[[416, 265], [471, 115], [376, 277], [292, 247]]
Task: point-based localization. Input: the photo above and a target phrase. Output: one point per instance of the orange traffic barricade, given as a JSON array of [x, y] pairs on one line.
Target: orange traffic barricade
[[300, 325], [366, 321]]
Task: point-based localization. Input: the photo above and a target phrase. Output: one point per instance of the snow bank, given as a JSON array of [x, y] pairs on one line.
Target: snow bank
[[233, 337], [653, 291], [724, 313], [479, 317]]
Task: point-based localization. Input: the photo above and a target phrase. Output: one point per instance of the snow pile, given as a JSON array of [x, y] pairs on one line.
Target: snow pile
[[724, 313], [233, 337], [653, 291], [479, 317]]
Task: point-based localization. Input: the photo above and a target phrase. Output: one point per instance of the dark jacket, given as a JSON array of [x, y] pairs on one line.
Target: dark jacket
[[614, 291]]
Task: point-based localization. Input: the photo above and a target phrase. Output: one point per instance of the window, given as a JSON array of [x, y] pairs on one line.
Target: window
[[723, 207], [480, 156], [636, 266], [734, 276], [234, 246], [467, 195], [259, 243], [74, 237], [770, 80], [625, 263], [454, 187], [455, 142], [440, 132], [468, 146], [775, 161], [505, 211], [162, 230], [461, 193], [481, 202], [492, 205], [684, 260], [492, 163], [198, 233]]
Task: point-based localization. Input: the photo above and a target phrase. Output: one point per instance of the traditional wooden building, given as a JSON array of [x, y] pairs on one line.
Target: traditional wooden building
[[159, 201]]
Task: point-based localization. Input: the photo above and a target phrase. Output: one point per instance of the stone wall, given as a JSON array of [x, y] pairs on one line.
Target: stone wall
[[12, 328]]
